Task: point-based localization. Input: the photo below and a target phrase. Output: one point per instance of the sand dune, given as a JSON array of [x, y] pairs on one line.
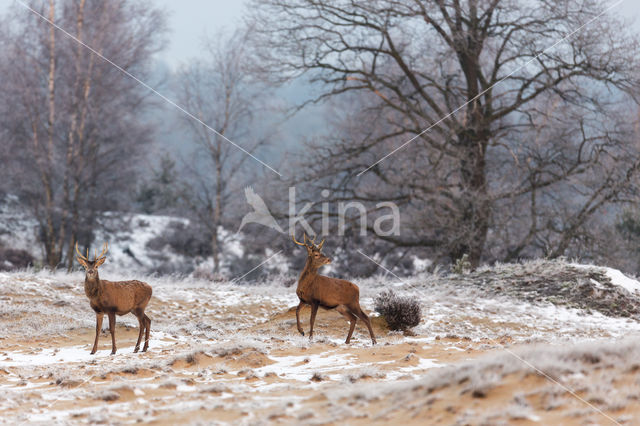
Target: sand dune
[[231, 354]]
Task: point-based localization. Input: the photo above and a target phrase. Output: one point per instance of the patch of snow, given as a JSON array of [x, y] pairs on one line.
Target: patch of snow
[[79, 353], [618, 278], [302, 367], [128, 235], [421, 265]]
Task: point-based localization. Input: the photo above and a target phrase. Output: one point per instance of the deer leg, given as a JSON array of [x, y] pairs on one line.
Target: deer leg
[[142, 323], [349, 317], [112, 328], [98, 330], [366, 320], [298, 317], [314, 311], [146, 336]]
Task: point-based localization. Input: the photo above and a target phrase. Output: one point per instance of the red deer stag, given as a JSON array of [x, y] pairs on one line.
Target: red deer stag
[[111, 298], [329, 293]]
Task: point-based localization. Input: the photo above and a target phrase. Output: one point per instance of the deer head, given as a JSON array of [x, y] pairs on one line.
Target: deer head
[[316, 257], [91, 266]]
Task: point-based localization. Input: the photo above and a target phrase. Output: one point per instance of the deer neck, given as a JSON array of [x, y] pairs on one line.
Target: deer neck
[[92, 286], [308, 275]]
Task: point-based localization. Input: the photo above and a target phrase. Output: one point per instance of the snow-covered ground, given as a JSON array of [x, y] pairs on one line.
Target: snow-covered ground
[[230, 352]]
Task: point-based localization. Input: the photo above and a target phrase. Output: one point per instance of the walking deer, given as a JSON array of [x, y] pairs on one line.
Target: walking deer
[[329, 293], [114, 298]]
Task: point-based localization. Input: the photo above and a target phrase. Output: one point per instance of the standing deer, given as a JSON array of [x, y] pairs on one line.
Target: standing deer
[[111, 298], [329, 293]]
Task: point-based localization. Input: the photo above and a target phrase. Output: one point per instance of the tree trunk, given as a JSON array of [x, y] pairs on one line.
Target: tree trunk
[[474, 201], [217, 212], [75, 219], [69, 211], [215, 250], [51, 252], [473, 140]]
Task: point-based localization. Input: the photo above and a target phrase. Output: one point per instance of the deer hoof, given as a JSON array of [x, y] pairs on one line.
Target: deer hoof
[[113, 352], [93, 352], [301, 332], [136, 349]]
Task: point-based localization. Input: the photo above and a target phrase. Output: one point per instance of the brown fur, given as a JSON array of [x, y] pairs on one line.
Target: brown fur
[[115, 298], [329, 293]]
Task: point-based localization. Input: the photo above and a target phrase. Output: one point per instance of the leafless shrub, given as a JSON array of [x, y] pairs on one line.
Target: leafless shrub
[[400, 313], [318, 377], [12, 259]]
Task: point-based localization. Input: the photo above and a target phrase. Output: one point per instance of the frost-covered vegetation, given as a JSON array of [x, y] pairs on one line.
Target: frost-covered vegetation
[[400, 313]]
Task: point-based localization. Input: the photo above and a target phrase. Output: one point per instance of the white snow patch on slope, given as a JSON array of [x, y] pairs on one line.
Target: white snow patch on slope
[[129, 235], [617, 277]]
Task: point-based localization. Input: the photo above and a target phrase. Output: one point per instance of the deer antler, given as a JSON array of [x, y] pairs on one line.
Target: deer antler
[[105, 248], [299, 243], [80, 254], [311, 243], [318, 246]]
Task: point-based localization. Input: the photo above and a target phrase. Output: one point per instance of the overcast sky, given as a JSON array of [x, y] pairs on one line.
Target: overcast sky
[[190, 20]]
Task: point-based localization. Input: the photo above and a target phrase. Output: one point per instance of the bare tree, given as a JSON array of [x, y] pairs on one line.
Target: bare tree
[[525, 142], [72, 119], [221, 91]]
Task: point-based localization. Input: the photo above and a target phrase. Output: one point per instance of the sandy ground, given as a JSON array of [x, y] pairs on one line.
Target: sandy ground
[[232, 355]]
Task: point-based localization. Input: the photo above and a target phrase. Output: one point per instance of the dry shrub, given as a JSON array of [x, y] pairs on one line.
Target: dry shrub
[[13, 259], [318, 377], [108, 396], [401, 313]]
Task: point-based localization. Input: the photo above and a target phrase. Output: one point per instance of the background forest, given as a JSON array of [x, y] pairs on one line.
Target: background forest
[[513, 135]]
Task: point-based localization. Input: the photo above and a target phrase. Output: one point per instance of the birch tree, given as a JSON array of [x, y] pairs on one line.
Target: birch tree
[[73, 120], [221, 91]]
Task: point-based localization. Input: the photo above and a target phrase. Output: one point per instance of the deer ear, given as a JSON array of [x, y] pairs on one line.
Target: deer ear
[[81, 261], [100, 261]]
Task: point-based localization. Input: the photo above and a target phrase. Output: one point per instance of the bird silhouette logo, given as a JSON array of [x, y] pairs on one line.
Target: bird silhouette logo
[[260, 213]]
